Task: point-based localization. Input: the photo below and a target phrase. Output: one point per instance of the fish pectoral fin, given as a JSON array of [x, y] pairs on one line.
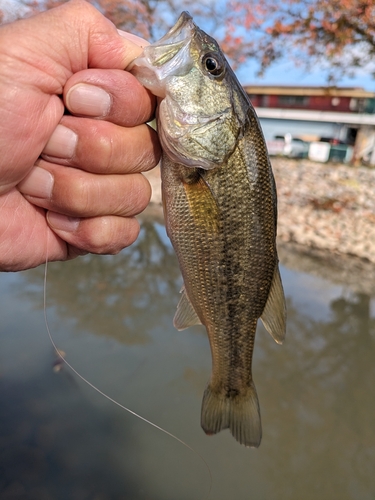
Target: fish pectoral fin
[[203, 206], [240, 414], [185, 315], [274, 314]]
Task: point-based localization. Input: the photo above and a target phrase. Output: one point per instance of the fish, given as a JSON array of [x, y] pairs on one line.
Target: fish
[[220, 207]]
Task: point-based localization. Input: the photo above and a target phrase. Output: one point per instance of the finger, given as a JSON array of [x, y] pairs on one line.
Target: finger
[[76, 193], [49, 48], [102, 147], [113, 95], [100, 235], [26, 239]]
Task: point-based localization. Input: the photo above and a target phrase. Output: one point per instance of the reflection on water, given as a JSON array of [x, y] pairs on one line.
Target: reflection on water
[[113, 318], [109, 296]]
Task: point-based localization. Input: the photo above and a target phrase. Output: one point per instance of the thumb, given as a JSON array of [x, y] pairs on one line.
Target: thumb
[[38, 56], [78, 37], [101, 44]]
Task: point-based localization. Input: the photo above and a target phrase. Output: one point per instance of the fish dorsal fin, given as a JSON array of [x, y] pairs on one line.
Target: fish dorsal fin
[[274, 314], [185, 315]]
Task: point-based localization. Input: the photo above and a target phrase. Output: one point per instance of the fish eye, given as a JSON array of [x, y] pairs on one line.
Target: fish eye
[[213, 64]]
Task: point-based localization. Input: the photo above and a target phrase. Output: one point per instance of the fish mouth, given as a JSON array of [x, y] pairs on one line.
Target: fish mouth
[[180, 31], [169, 56]]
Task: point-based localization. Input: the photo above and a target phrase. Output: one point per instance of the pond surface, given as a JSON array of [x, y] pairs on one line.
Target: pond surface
[[112, 316]]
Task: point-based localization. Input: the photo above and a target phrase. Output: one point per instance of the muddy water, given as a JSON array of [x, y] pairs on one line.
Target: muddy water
[[113, 318]]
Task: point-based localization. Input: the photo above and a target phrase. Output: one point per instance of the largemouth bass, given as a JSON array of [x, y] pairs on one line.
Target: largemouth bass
[[219, 200]]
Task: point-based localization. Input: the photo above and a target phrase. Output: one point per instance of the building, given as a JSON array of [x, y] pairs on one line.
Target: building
[[335, 99], [328, 114]]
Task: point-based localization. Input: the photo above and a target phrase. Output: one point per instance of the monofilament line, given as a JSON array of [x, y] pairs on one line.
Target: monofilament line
[[101, 392]]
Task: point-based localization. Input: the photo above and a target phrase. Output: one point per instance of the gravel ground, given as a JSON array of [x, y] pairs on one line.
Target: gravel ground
[[327, 207], [321, 206]]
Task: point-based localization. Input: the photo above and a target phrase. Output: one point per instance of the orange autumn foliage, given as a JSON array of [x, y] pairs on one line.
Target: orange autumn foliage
[[336, 34]]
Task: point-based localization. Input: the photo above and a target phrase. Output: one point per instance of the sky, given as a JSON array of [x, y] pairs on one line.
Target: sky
[[286, 73], [281, 73]]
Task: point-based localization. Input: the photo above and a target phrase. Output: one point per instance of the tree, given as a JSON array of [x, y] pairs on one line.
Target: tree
[[337, 35], [150, 19]]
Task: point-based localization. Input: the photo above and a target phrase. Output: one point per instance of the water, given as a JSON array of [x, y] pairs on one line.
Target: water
[[113, 318]]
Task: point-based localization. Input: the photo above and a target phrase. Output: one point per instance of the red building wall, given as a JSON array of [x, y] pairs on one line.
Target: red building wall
[[313, 102]]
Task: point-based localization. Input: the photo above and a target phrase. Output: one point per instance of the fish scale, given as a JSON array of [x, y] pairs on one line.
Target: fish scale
[[219, 201]]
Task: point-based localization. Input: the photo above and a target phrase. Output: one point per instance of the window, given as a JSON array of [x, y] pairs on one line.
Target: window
[[353, 105], [293, 100]]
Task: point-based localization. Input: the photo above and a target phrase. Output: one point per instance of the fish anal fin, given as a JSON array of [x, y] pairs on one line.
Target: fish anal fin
[[274, 314], [240, 414], [185, 315]]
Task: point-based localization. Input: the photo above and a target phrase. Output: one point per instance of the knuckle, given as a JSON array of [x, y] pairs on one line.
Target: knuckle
[[151, 155], [79, 203], [150, 159], [102, 146], [74, 197], [109, 235], [138, 195]]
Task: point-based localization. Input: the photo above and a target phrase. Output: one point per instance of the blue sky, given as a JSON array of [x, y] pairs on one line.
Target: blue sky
[[286, 73]]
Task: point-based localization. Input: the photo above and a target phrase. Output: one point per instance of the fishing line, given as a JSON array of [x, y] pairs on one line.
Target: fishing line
[[62, 358]]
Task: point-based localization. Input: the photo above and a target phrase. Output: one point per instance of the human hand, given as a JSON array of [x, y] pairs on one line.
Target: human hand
[[70, 183]]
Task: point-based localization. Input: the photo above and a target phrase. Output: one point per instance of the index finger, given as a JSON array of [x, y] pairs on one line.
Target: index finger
[[113, 95]]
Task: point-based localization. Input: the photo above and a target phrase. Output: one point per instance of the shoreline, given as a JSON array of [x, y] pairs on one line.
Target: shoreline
[[321, 207], [328, 207]]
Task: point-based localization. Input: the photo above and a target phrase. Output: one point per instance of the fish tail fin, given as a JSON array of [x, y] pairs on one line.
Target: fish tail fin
[[240, 414]]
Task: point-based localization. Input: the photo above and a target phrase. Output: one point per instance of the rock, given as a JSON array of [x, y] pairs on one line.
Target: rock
[[328, 207]]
